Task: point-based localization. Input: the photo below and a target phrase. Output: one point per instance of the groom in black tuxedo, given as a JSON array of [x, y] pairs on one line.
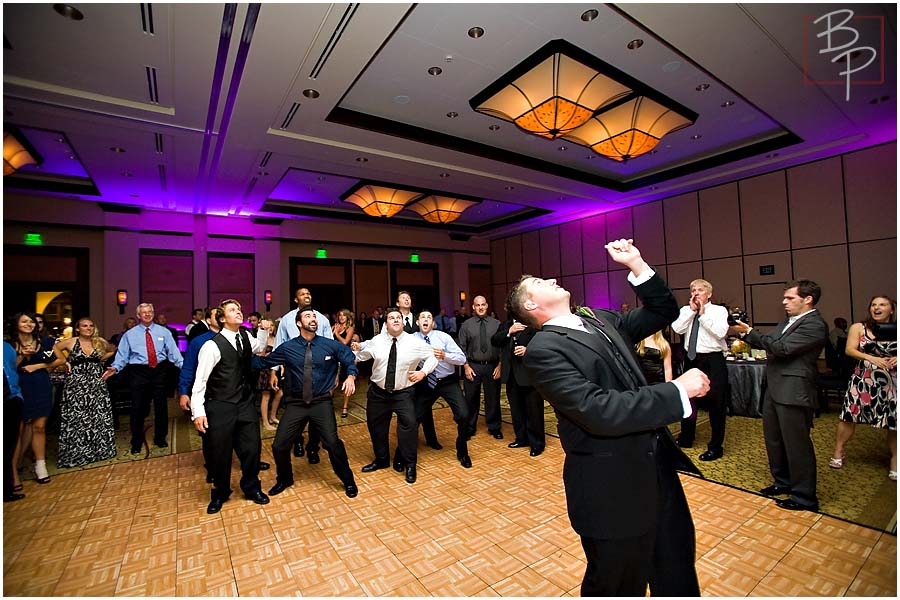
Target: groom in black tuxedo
[[623, 493]]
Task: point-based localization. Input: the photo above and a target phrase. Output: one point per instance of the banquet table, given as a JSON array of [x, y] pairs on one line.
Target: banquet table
[[747, 382]]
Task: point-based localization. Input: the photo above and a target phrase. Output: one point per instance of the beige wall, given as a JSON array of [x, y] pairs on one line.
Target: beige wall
[[833, 221], [115, 241]]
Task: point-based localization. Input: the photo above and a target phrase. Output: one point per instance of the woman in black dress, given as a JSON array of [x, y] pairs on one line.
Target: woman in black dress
[[655, 356], [86, 432]]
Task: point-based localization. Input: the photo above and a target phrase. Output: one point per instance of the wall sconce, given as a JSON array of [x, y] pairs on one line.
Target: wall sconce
[[267, 299], [121, 300], [462, 297]]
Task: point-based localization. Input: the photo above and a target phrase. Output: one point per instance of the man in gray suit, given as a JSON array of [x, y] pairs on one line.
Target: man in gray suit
[[792, 349]]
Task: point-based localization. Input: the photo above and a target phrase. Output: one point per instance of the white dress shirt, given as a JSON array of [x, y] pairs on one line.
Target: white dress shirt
[[713, 327], [792, 319], [453, 354], [207, 360], [411, 350]]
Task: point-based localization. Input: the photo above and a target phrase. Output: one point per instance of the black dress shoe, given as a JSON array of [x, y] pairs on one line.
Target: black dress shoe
[[162, 444], [264, 466], [13, 497], [375, 465], [351, 490], [791, 505], [257, 497], [516, 445], [209, 478], [536, 451], [684, 444], [135, 450], [298, 450], [465, 461], [312, 457], [411, 474], [775, 490], [398, 466], [279, 487], [215, 505], [712, 454], [498, 435], [434, 445]]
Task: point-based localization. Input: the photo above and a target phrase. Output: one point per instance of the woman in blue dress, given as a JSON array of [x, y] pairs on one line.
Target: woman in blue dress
[[34, 359]]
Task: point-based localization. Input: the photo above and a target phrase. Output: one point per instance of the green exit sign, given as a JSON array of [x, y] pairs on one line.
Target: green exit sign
[[34, 239], [321, 253], [413, 258]]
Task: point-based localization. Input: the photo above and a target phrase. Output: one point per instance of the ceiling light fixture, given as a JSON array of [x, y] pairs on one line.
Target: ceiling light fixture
[[444, 175], [311, 93], [362, 159], [117, 149], [17, 152], [68, 11], [509, 187], [702, 87], [634, 44], [494, 127], [379, 201], [727, 103], [563, 91], [476, 32], [452, 114], [435, 71], [440, 209], [589, 15]]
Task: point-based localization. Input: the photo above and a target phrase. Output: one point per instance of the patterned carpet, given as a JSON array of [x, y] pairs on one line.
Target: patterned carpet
[[860, 492]]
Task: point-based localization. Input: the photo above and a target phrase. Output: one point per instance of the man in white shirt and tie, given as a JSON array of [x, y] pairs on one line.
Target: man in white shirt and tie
[[704, 325], [396, 355]]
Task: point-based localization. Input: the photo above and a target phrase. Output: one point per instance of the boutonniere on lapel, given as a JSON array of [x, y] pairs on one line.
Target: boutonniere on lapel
[[584, 311]]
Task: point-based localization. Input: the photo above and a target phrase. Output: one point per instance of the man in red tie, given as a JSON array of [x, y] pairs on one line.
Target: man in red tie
[[147, 350]]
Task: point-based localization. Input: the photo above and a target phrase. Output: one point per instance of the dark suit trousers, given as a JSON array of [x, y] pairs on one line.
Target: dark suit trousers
[[526, 408], [663, 557], [12, 416], [315, 438], [233, 427], [792, 459], [448, 389], [380, 405], [715, 401], [321, 413], [484, 377], [146, 384]]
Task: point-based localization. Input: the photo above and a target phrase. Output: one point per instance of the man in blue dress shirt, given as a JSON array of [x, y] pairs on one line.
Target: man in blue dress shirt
[[147, 350], [442, 382], [313, 362]]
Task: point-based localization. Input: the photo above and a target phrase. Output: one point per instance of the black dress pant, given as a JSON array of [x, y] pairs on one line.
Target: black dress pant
[[448, 389], [296, 415], [663, 557], [12, 416], [380, 406], [315, 439], [792, 457], [526, 407], [484, 378], [148, 384], [233, 427], [715, 401]]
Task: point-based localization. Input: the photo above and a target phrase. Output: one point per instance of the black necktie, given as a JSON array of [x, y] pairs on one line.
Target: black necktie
[[238, 345], [308, 375], [432, 378], [692, 342], [391, 373], [482, 336], [408, 323]]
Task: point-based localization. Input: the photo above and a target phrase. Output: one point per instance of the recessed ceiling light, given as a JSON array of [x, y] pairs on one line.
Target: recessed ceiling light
[[435, 71], [591, 156], [401, 99], [772, 155], [117, 149], [509, 187], [727, 103], [311, 93], [71, 157], [362, 159], [696, 136], [561, 198], [262, 173], [127, 174], [563, 148], [448, 58], [61, 140], [652, 187], [445, 175], [654, 151], [589, 15], [452, 114], [494, 127], [68, 11], [476, 32], [702, 87], [634, 44]]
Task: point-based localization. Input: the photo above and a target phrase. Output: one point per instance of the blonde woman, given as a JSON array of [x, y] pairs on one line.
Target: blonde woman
[[343, 330], [266, 393], [86, 432], [655, 356]]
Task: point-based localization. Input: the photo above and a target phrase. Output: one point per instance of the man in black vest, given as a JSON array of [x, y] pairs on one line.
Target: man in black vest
[[222, 405]]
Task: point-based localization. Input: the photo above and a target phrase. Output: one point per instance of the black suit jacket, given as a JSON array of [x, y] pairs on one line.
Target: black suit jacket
[[611, 423], [510, 364], [791, 359], [198, 329]]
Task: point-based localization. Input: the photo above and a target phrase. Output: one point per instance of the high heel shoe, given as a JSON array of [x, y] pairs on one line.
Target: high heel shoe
[[18, 487], [836, 463], [344, 413], [892, 475], [40, 472]]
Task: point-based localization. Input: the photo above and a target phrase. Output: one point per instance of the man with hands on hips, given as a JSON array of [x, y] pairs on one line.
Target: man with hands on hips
[[637, 529]]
